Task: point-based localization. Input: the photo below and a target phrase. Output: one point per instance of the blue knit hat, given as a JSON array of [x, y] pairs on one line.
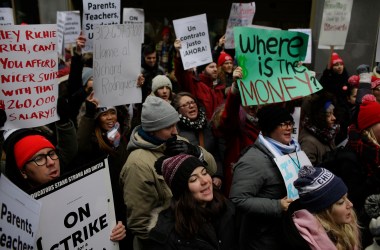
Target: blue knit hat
[[318, 188], [86, 75]]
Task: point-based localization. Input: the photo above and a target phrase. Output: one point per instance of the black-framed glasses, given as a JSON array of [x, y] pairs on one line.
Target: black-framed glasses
[[285, 125], [188, 104], [41, 159]]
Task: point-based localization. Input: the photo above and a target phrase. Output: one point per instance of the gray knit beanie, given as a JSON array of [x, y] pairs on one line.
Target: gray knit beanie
[[161, 81], [86, 75], [157, 114]]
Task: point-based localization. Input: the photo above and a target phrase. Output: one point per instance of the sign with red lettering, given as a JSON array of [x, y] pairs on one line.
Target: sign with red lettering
[[270, 62], [29, 69], [335, 22], [77, 210]]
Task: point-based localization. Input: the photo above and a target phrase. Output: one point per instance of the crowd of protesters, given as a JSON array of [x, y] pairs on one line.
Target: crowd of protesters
[[192, 168]]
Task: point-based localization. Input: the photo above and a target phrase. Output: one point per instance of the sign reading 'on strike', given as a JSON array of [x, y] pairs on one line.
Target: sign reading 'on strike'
[[29, 68]]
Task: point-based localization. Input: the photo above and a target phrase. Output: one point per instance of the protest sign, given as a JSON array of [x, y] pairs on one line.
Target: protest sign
[[77, 210], [335, 22], [68, 23], [270, 63], [101, 12], [135, 16], [19, 216], [29, 70], [241, 14], [195, 42], [6, 16], [117, 63], [289, 165], [297, 123], [308, 52]]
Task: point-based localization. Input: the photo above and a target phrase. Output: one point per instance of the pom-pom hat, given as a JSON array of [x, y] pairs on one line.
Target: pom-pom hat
[[223, 57], [318, 188], [335, 58], [369, 114]]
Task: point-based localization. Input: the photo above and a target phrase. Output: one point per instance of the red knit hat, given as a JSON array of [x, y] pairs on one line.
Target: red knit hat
[[375, 82], [165, 31], [336, 59], [223, 58], [354, 81], [369, 114], [25, 148]]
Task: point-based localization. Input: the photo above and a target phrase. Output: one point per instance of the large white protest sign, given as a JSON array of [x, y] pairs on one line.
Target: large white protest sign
[[116, 64], [135, 16], [289, 165], [308, 52], [6, 16], [241, 14], [29, 70], [19, 216], [77, 210], [101, 12], [335, 22], [195, 42], [297, 123]]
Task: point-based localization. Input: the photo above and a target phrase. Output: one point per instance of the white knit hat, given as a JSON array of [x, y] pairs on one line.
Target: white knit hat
[[161, 81]]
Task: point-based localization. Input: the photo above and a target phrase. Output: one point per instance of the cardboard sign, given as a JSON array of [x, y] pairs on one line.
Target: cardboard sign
[[77, 210], [6, 16], [101, 12], [135, 16], [195, 42], [335, 22], [308, 52], [19, 216], [270, 62], [289, 165], [117, 63], [29, 71], [241, 14]]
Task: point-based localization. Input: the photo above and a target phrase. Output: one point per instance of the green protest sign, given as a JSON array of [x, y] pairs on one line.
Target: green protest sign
[[269, 59]]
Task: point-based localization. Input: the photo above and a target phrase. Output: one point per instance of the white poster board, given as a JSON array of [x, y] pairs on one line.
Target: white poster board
[[135, 16], [116, 64], [19, 216], [289, 165], [68, 30], [29, 83], [6, 16], [308, 52], [297, 123], [241, 14], [77, 210], [335, 23], [195, 42], [101, 12]]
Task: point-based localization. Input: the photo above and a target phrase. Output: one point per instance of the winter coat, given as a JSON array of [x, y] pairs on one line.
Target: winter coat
[[145, 192], [164, 236], [202, 87], [257, 187]]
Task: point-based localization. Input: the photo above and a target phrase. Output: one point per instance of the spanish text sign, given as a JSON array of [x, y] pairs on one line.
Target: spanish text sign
[[270, 62], [29, 70], [195, 42], [19, 216], [77, 210]]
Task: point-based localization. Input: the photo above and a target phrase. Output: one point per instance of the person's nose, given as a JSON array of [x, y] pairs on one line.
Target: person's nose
[[49, 161]]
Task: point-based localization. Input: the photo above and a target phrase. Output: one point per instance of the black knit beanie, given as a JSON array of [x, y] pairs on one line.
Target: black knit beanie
[[271, 116]]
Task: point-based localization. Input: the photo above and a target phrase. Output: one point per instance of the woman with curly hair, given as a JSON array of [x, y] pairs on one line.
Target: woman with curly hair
[[200, 217], [323, 215]]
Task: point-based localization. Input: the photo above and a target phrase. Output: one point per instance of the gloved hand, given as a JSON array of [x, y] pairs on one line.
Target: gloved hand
[[175, 147], [90, 109], [63, 109]]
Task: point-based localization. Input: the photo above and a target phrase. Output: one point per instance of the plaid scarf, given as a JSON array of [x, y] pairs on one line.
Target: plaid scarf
[[324, 135]]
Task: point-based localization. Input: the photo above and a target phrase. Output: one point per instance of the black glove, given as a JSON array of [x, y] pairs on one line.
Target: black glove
[[63, 109], [3, 117], [90, 109], [181, 147]]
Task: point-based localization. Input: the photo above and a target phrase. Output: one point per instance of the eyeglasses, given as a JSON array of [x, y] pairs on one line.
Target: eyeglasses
[[41, 159], [285, 125], [188, 104]]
